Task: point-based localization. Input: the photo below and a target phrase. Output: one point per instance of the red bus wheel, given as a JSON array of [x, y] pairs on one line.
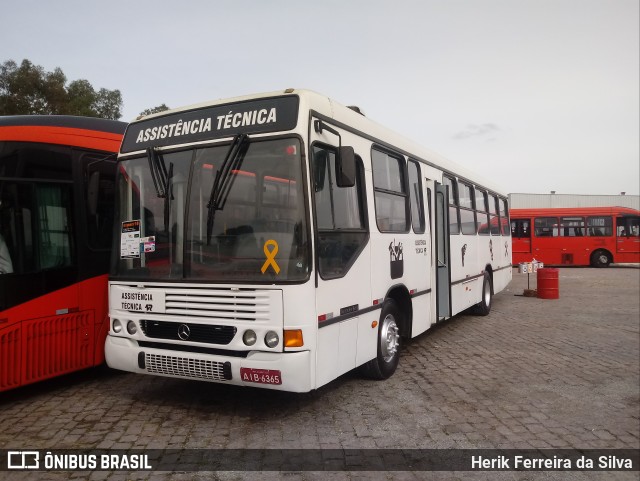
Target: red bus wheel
[[600, 258]]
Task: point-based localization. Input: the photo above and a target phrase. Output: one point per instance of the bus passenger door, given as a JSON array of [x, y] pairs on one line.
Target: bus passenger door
[[628, 235], [443, 273], [521, 236]]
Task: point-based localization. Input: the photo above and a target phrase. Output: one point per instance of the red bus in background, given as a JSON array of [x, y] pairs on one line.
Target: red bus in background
[[595, 236], [57, 185]]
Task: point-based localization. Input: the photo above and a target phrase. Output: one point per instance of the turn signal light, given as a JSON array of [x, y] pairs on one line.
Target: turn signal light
[[293, 338]]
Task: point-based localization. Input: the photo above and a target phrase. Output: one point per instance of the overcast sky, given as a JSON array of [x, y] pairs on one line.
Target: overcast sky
[[537, 95]]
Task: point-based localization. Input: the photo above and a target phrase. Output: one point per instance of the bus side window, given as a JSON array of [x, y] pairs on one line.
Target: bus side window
[[55, 231], [415, 194], [17, 225], [546, 227], [100, 197], [572, 226], [494, 219], [467, 213], [503, 211], [342, 225], [391, 199], [454, 221], [482, 213], [599, 226]]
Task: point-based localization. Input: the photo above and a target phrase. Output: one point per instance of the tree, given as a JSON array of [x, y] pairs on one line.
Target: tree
[[155, 110], [29, 89]]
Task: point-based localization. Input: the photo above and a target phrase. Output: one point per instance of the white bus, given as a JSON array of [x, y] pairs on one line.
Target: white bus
[[281, 240]]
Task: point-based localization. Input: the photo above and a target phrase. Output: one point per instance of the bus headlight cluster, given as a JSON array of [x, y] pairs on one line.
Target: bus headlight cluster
[[117, 326], [131, 327], [271, 339], [249, 337]]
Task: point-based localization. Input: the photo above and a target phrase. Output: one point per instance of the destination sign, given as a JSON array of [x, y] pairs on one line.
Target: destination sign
[[250, 117]]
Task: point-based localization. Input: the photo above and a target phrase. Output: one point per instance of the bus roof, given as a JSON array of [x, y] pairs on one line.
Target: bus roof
[[350, 119], [70, 121], [568, 211], [89, 132]]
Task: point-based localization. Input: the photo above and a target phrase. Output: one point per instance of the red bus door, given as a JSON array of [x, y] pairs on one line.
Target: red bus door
[[521, 236], [628, 236]]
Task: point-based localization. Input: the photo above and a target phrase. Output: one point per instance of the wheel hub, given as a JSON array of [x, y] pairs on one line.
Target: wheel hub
[[389, 338]]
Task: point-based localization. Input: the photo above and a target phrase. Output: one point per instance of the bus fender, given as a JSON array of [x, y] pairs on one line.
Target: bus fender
[[400, 294]]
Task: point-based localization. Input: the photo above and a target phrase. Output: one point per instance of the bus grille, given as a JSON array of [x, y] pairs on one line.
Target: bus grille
[[206, 333], [219, 305], [57, 345], [10, 355], [38, 349], [184, 367], [223, 304]]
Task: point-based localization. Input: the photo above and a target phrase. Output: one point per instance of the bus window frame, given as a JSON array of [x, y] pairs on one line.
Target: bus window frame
[[468, 210], [402, 163], [454, 203], [554, 227], [360, 186], [419, 200], [482, 212]]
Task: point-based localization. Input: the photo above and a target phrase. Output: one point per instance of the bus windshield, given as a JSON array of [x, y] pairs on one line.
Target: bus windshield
[[255, 230]]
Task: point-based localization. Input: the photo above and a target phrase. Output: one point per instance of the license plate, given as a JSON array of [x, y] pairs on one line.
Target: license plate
[[261, 376]]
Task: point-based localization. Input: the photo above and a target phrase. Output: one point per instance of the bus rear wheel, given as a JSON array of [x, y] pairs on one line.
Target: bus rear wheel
[[388, 350], [483, 308], [600, 258]]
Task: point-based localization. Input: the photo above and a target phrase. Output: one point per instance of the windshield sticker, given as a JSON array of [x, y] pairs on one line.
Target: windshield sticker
[[130, 240], [149, 243], [256, 116], [270, 250]]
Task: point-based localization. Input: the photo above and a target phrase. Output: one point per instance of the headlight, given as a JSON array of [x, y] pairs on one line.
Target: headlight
[[131, 327], [249, 337], [117, 326], [271, 339]]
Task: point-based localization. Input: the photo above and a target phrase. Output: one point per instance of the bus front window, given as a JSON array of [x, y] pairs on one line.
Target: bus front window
[[258, 232], [151, 223]]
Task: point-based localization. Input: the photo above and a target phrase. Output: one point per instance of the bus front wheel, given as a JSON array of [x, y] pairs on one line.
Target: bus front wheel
[[388, 350], [600, 258]]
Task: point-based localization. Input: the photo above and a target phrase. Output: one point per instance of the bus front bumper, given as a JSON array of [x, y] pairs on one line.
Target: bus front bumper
[[289, 371]]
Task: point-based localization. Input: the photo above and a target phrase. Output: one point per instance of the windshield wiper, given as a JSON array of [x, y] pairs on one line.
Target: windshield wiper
[[168, 196], [224, 180], [158, 171], [161, 181]]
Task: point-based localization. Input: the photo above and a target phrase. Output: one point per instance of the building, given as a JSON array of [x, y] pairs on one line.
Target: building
[[553, 200]]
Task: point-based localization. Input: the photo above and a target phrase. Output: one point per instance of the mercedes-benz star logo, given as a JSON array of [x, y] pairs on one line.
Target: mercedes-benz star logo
[[184, 332]]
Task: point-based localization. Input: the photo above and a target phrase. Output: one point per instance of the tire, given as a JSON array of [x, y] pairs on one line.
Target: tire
[[483, 308], [600, 258], [388, 351]]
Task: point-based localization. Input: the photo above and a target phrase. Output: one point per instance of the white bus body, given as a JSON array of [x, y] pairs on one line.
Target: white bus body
[[246, 256]]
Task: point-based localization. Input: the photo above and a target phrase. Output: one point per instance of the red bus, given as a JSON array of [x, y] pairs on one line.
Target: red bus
[[57, 185], [581, 236]]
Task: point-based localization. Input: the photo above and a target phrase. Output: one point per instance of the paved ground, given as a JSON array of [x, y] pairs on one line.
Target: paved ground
[[533, 374]]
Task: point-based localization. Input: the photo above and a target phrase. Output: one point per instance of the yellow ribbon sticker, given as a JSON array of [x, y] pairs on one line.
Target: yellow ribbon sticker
[[271, 256]]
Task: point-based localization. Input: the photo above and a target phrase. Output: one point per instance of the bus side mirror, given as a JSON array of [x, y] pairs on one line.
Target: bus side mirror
[[346, 167], [320, 159]]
